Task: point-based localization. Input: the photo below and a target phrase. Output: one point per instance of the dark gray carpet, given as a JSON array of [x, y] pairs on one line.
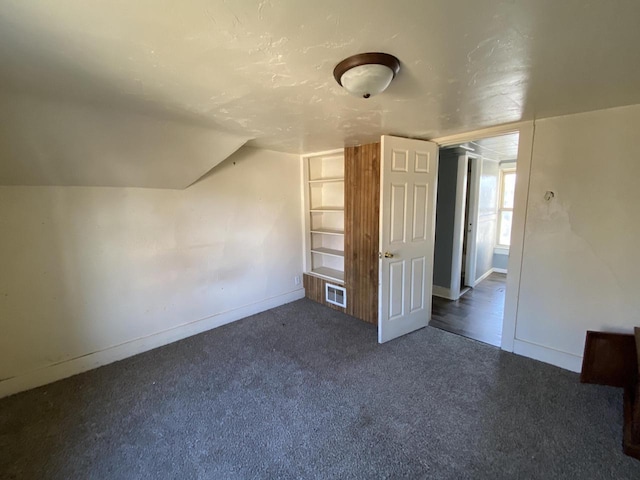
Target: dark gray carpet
[[302, 391]]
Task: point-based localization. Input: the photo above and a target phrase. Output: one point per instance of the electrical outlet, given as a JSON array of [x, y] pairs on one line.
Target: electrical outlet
[[296, 280]]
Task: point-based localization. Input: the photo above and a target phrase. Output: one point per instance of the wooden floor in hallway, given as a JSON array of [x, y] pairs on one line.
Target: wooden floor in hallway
[[477, 314]]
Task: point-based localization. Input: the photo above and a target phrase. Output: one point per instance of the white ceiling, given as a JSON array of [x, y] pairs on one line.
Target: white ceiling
[[263, 69]]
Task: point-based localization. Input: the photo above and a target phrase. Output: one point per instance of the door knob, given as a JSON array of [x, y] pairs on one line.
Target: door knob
[[388, 255]]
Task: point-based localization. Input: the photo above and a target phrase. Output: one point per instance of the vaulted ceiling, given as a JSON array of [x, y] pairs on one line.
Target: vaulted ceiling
[[261, 71]]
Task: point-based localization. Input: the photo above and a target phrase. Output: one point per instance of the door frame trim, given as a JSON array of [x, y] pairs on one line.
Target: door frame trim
[[526, 132], [459, 227]]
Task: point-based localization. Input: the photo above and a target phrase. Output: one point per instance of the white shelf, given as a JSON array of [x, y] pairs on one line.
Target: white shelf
[[328, 251], [328, 180], [328, 231], [327, 209], [324, 207], [329, 273], [325, 165]]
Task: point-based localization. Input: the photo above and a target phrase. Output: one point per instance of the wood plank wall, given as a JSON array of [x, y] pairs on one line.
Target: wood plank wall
[[314, 290], [362, 211]]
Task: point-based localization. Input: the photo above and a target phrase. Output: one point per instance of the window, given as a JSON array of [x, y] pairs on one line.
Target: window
[[505, 207]]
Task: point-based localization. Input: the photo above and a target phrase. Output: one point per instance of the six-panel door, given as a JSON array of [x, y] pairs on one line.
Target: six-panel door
[[407, 219]]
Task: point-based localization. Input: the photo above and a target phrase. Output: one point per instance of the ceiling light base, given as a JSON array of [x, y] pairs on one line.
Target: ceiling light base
[[366, 74]]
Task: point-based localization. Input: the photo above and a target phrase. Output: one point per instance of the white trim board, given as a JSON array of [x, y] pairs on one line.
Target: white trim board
[[487, 132], [514, 263], [459, 227], [442, 292], [484, 276], [560, 359], [526, 132], [323, 152], [68, 368]]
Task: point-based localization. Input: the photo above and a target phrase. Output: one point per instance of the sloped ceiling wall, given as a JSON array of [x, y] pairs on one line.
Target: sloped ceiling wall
[[48, 142], [64, 122]]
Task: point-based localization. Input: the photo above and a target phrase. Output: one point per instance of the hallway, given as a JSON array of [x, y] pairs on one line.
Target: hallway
[[477, 314]]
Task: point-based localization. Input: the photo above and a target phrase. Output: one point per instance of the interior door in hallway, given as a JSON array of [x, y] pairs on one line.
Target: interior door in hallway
[[407, 226]]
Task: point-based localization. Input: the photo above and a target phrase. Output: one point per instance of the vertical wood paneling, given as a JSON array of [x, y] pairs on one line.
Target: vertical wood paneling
[[362, 209], [314, 290]]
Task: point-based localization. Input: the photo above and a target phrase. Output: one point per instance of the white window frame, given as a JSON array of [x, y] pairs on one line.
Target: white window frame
[[503, 173]]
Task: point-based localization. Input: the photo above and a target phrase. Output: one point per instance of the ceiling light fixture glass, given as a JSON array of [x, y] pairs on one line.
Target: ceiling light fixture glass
[[366, 74]]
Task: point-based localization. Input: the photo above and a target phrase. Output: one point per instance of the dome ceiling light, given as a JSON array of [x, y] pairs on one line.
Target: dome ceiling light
[[366, 74]]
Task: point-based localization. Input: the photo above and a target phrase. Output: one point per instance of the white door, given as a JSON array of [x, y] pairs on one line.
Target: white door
[[407, 228], [472, 222]]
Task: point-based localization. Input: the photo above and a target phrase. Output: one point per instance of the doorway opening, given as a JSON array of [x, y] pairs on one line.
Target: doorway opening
[[474, 212]]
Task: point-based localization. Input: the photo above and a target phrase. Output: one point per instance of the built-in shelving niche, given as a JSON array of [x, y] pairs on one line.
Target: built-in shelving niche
[[324, 205], [342, 201]]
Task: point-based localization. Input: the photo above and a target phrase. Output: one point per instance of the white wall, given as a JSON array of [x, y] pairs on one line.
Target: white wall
[[500, 260], [89, 269], [445, 220], [581, 255]]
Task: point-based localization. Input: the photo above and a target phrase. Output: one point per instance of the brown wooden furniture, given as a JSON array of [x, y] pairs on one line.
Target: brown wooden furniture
[[612, 359]]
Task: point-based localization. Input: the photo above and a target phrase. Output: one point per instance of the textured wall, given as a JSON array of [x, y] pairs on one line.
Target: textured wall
[[581, 255], [500, 260], [445, 218], [86, 269]]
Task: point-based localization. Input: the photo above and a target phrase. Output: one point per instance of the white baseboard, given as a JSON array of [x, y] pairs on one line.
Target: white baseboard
[[499, 270], [67, 368], [441, 292], [565, 360], [489, 272]]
